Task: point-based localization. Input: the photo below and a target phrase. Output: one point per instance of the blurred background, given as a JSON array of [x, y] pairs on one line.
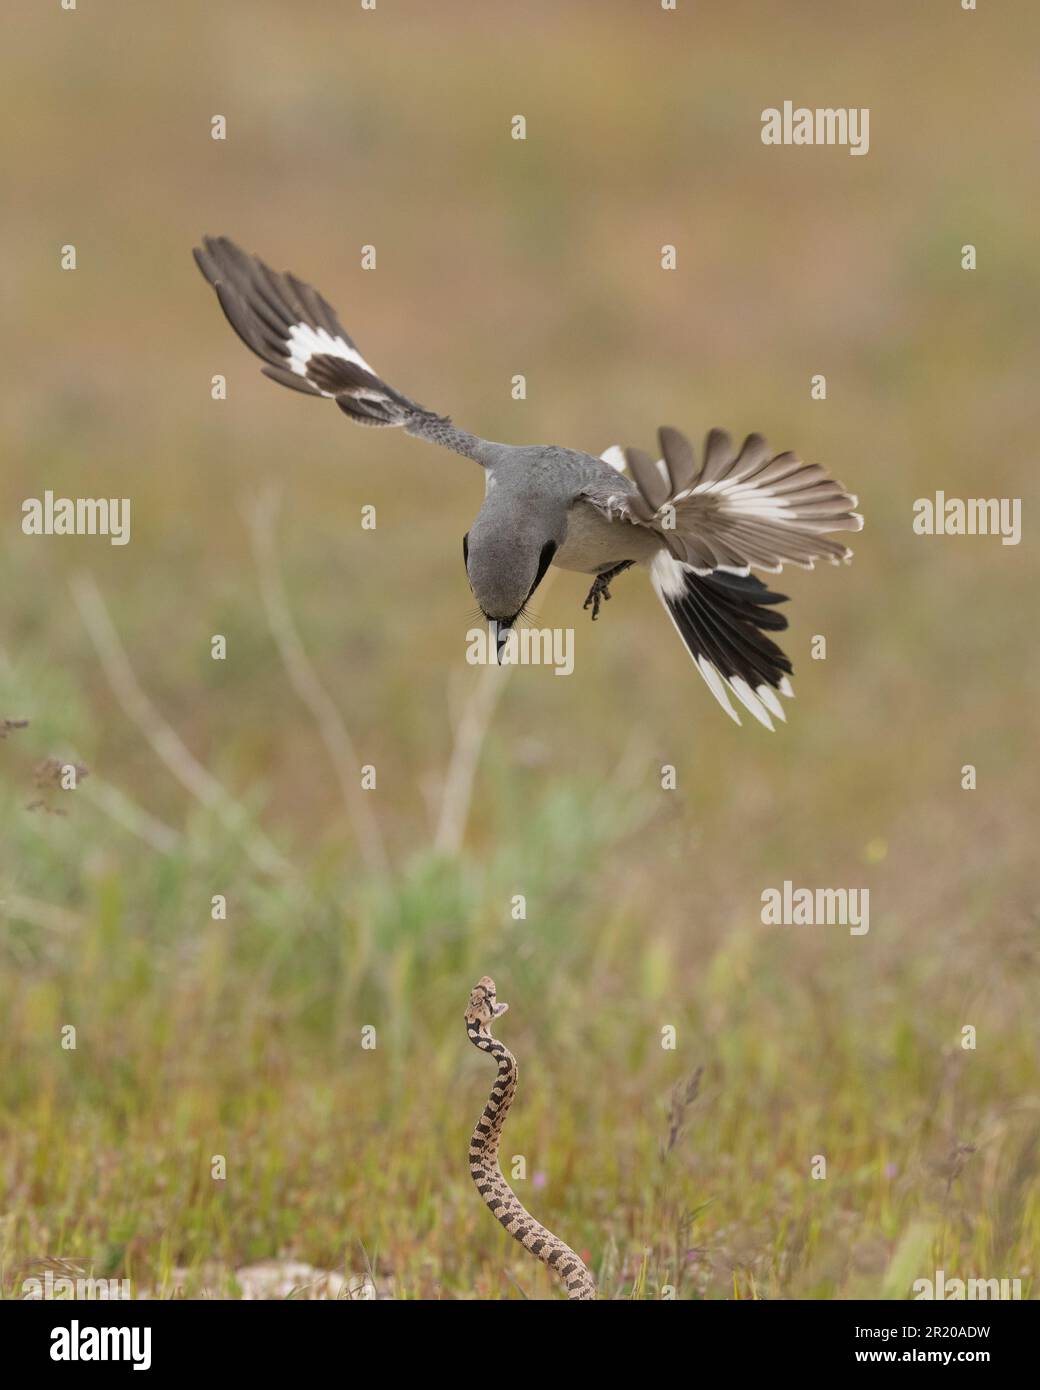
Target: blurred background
[[242, 1037]]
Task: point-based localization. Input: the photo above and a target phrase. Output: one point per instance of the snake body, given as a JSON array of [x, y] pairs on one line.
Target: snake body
[[483, 1153]]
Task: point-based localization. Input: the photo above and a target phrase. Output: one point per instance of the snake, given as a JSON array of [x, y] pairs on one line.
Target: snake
[[569, 1268]]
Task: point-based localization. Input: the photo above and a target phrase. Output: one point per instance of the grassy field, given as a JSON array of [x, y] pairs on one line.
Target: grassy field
[[350, 910]]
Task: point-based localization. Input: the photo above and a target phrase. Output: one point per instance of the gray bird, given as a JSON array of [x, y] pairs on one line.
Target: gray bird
[[697, 531]]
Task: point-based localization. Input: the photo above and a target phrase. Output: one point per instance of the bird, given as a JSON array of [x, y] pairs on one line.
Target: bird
[[570, 1269], [696, 528]]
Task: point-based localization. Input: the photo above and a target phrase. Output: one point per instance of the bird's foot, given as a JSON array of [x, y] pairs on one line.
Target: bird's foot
[[600, 591]]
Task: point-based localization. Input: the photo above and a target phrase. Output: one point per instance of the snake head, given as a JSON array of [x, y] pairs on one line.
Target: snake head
[[483, 1003]]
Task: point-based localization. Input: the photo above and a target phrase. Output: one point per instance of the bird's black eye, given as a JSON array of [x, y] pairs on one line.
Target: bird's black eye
[[544, 561], [465, 550]]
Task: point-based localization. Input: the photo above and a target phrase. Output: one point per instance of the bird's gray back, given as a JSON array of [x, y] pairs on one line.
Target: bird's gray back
[[551, 472]]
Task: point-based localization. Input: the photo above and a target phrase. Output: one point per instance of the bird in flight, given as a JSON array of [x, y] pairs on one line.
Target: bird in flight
[[696, 529]]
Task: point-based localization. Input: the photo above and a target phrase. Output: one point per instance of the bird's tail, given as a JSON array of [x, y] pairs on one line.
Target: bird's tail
[[722, 620], [300, 338]]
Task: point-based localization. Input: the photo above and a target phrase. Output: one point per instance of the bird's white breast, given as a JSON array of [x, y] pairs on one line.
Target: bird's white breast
[[593, 543]]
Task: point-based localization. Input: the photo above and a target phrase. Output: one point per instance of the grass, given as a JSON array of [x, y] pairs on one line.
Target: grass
[[243, 1037]]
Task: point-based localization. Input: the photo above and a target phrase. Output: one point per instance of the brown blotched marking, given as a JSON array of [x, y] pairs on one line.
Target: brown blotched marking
[[483, 1153]]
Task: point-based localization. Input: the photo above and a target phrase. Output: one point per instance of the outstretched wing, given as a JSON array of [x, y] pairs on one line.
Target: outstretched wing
[[724, 621], [298, 335], [737, 510]]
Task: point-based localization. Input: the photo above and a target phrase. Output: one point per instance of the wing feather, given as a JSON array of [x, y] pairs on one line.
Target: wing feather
[[744, 509]]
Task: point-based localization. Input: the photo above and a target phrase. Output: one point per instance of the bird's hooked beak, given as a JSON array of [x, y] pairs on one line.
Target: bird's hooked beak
[[500, 628]]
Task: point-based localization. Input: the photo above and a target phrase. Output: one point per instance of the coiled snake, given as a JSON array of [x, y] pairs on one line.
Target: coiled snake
[[483, 1152]]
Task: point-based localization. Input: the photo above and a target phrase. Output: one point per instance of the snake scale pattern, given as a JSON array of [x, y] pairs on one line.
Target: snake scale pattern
[[484, 1168]]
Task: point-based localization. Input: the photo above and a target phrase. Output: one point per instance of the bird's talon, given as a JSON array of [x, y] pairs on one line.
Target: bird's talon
[[600, 590]]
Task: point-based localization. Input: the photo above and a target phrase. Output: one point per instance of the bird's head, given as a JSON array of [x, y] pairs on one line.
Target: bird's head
[[506, 559], [484, 1007]]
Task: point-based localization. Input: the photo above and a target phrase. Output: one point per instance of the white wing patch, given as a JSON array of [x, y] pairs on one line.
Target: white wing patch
[[758, 502], [667, 577], [305, 342]]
